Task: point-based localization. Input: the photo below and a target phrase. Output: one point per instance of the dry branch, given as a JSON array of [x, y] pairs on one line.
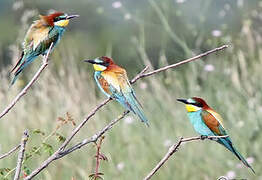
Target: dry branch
[[174, 148], [21, 155], [94, 138], [10, 152], [24, 91], [182, 62], [61, 152]]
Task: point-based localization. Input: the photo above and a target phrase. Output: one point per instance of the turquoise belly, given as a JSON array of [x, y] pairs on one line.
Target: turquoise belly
[[198, 123]]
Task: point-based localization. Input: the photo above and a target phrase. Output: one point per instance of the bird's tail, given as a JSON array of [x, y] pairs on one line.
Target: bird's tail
[[16, 73], [22, 63], [228, 144], [18, 62], [134, 106]]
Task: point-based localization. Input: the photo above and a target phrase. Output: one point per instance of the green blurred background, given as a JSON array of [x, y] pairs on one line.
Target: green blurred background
[[137, 33]]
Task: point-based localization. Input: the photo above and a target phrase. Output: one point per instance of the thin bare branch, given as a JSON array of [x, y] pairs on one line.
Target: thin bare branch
[[59, 154], [62, 152], [24, 91], [174, 148], [21, 155], [10, 152], [138, 76], [91, 114], [183, 62], [94, 137]]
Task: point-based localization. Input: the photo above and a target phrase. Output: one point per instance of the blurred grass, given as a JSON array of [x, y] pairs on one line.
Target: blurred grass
[[230, 81]]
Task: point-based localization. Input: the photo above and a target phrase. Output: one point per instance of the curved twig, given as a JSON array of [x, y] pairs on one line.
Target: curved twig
[[24, 91]]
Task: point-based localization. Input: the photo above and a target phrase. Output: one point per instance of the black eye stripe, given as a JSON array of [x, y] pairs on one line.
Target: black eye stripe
[[196, 104], [59, 18], [103, 63]]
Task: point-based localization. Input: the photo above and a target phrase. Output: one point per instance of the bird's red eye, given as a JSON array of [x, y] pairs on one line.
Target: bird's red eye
[[56, 19]]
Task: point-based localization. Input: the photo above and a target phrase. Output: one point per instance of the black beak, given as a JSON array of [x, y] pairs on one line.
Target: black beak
[[90, 61], [182, 100], [71, 16]]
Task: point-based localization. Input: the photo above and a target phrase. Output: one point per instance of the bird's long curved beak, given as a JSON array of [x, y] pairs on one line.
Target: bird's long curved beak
[[72, 16], [90, 61], [182, 100]]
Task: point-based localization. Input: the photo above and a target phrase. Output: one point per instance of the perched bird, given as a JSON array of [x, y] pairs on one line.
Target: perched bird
[[41, 34], [207, 122], [113, 82]]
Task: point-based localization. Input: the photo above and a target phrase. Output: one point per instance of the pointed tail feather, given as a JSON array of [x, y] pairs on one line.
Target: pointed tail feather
[[242, 159], [135, 106], [142, 117], [228, 144], [24, 62], [18, 62], [17, 72], [13, 80]]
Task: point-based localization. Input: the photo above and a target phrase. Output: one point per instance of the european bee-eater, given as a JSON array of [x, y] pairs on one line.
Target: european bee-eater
[[112, 80], [41, 34], [207, 122]]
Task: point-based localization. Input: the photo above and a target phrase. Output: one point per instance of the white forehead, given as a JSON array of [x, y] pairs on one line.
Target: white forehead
[[191, 100], [97, 60]]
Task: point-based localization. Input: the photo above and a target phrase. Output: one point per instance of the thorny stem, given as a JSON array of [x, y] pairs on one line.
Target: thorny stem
[[98, 156]]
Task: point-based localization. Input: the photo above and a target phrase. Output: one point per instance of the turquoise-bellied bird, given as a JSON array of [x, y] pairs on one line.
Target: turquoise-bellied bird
[[113, 82], [207, 122], [41, 34]]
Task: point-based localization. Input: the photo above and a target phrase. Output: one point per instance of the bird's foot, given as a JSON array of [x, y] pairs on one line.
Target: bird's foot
[[213, 139], [44, 59], [203, 137], [110, 97]]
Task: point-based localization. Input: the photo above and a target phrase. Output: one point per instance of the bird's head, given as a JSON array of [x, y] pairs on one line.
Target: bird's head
[[57, 19], [101, 63], [194, 104]]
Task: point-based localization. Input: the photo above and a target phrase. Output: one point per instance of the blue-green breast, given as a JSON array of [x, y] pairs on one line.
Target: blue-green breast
[[198, 123]]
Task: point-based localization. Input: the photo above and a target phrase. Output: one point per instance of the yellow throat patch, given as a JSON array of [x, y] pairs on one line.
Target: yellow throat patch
[[192, 108], [99, 67], [62, 23]]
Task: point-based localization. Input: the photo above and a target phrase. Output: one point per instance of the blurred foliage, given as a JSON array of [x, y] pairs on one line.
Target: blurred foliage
[[138, 33]]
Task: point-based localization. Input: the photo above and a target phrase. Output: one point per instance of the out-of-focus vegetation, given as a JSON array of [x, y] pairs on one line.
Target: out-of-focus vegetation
[[138, 33]]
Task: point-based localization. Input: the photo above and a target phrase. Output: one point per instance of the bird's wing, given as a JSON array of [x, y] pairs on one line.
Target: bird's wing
[[36, 34], [123, 92], [104, 86], [117, 78], [18, 62], [213, 121], [37, 41], [126, 86], [111, 79], [123, 81]]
